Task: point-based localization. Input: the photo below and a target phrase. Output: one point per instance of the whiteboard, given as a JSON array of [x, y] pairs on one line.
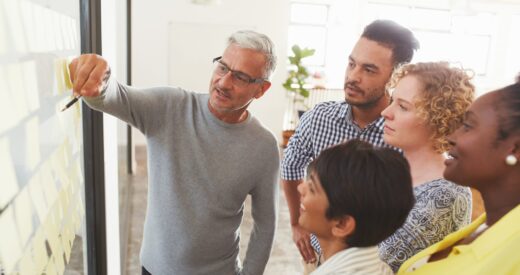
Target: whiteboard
[[41, 158]]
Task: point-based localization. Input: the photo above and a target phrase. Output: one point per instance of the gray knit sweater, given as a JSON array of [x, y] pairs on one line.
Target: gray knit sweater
[[200, 171]]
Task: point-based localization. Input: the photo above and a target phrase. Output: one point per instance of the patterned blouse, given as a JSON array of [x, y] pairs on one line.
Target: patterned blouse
[[441, 208]]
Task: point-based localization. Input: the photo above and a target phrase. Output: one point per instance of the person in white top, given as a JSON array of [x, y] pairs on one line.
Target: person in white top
[[355, 196]]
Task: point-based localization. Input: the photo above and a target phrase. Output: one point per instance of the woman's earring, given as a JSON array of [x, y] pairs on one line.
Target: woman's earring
[[511, 160]]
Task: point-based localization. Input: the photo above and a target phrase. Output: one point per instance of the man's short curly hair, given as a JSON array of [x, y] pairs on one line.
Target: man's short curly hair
[[446, 95]]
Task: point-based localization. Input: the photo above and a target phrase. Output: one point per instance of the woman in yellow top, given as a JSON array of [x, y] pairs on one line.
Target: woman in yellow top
[[485, 155]]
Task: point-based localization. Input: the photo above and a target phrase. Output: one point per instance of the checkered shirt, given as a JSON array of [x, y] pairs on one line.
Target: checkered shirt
[[327, 124]]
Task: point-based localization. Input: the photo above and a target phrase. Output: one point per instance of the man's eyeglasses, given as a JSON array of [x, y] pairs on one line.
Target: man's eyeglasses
[[238, 78]]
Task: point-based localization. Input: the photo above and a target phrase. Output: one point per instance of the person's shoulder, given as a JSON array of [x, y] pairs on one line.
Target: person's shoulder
[[442, 190], [326, 109], [265, 146], [441, 183], [452, 187], [261, 132], [329, 106]]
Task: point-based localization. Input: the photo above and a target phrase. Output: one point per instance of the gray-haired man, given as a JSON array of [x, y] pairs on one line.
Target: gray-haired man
[[206, 154]]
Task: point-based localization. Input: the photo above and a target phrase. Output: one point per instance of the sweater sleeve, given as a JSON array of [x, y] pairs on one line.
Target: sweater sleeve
[[264, 210], [142, 108]]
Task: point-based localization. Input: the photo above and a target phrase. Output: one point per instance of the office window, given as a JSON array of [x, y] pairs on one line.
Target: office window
[[480, 38], [308, 29], [469, 50], [513, 53], [459, 36]]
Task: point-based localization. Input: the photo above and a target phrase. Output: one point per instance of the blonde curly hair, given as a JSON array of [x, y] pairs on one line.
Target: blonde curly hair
[[446, 95]]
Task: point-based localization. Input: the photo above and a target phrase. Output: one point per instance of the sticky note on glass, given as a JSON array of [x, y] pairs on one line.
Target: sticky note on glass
[[66, 74], [61, 68], [51, 267], [39, 250], [26, 264], [10, 250], [23, 213], [9, 180]]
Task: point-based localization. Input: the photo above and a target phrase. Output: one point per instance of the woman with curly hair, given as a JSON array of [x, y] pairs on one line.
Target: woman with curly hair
[[484, 154], [428, 104]]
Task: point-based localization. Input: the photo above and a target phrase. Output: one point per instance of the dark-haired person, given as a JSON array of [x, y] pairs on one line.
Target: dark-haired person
[[485, 155], [382, 46], [355, 197], [417, 122]]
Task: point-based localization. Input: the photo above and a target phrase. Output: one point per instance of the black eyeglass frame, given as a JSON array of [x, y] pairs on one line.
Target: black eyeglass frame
[[240, 75]]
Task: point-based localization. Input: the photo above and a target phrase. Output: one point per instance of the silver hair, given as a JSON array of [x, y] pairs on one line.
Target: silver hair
[[256, 41]]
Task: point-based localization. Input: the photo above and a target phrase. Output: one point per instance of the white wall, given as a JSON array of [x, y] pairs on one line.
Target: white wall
[[150, 38], [154, 23]]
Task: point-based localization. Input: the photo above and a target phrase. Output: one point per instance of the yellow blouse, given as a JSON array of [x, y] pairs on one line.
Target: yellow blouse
[[496, 251]]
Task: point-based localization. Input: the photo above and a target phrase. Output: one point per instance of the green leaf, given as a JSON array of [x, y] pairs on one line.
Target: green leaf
[[307, 52], [296, 50], [298, 73]]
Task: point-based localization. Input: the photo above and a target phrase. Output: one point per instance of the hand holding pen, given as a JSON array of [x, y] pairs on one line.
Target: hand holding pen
[[89, 74]]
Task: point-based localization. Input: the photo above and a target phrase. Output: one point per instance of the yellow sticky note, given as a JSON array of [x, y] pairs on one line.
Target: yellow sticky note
[[38, 197], [58, 163], [9, 180], [79, 170], [57, 215], [76, 220], [40, 252], [32, 143], [66, 74], [51, 231], [66, 242], [74, 176], [23, 214], [31, 85], [17, 91], [51, 267], [66, 152], [61, 68], [26, 264], [7, 108], [60, 264], [10, 250], [49, 187], [64, 197]]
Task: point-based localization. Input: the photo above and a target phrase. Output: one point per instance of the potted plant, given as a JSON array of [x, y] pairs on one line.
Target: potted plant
[[296, 86]]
